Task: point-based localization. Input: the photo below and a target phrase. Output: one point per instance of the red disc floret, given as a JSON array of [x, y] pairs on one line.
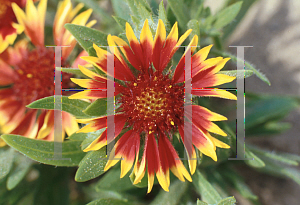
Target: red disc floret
[[152, 103]]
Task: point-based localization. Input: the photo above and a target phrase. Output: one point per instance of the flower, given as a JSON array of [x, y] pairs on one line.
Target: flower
[[32, 75], [152, 103], [8, 26]]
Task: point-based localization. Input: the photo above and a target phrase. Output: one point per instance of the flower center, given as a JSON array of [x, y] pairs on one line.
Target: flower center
[[35, 75], [153, 103]]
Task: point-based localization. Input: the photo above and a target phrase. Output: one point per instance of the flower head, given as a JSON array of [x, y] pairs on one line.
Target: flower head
[[32, 75], [151, 102]]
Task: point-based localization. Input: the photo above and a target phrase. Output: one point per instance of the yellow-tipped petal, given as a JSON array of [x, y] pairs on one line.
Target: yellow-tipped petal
[[130, 34], [20, 15], [101, 53], [185, 173], [160, 31], [150, 182], [146, 34], [183, 37], [88, 128], [83, 95], [222, 79], [141, 171], [215, 129], [177, 173], [89, 73], [161, 177], [125, 167], [217, 142], [193, 162], [174, 32], [203, 53], [45, 129]]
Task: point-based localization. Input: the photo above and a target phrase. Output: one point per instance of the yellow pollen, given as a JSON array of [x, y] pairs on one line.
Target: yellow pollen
[[172, 123], [155, 78], [29, 75], [170, 86], [21, 72], [150, 132], [135, 84]]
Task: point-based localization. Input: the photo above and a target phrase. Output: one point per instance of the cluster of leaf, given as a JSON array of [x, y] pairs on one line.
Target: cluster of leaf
[[24, 181]]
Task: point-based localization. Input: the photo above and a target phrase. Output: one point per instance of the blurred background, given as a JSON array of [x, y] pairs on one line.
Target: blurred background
[[272, 27]]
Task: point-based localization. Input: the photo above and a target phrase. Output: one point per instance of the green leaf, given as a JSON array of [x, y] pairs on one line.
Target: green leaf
[[121, 22], [282, 171], [6, 161], [201, 202], [43, 151], [279, 157], [78, 136], [177, 190], [256, 162], [112, 181], [71, 106], [74, 71], [180, 11], [227, 201], [238, 183], [163, 15], [248, 66], [240, 74], [228, 30], [97, 108], [227, 15], [194, 24], [109, 202], [91, 166], [205, 189], [86, 37], [267, 108], [268, 128], [19, 172]]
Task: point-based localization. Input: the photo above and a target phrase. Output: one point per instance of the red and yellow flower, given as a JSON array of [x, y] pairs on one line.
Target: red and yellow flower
[[28, 73], [152, 103]]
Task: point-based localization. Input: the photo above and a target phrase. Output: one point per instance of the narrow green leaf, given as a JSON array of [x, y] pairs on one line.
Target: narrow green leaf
[[145, 14], [163, 15], [201, 202], [177, 190], [109, 201], [194, 24], [268, 128], [230, 28], [205, 189], [97, 108], [256, 162], [238, 183], [282, 171], [121, 22], [227, 201], [112, 181], [227, 15], [43, 151], [19, 172], [121, 9], [265, 109], [240, 74], [6, 161], [91, 166], [196, 9], [71, 106], [273, 155], [78, 136], [248, 66], [86, 37], [180, 11]]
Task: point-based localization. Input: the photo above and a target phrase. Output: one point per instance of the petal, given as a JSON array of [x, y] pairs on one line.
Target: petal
[[146, 40], [212, 80], [214, 93], [69, 123], [98, 143], [202, 112], [89, 94], [47, 126], [95, 124], [91, 84], [159, 42]]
